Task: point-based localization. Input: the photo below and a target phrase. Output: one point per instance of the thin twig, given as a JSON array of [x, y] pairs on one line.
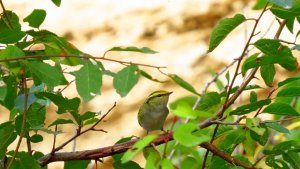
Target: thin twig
[[79, 132], [24, 84], [76, 56], [226, 104], [29, 147], [4, 12], [54, 139]]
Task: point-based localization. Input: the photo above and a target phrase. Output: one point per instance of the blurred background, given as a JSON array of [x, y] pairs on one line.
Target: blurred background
[[179, 30]]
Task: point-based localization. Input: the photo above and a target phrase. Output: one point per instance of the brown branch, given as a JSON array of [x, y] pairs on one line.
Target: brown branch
[[229, 101], [76, 56], [24, 87], [79, 132], [120, 148]]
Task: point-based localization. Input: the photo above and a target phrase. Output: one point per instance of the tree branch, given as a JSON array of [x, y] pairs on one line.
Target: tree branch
[[77, 56], [120, 148]]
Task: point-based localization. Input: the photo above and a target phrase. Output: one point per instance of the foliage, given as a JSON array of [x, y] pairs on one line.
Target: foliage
[[211, 129]]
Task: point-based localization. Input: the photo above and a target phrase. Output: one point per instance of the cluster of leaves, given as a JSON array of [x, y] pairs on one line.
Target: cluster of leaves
[[246, 142], [255, 139], [27, 104]]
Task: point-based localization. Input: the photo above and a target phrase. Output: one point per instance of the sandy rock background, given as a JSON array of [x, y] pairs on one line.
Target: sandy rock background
[[179, 30]]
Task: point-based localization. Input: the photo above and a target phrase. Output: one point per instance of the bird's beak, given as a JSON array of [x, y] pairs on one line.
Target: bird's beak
[[170, 93]]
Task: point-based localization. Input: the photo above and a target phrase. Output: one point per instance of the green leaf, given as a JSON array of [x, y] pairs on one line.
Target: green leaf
[[88, 80], [292, 158], [3, 90], [24, 161], [148, 76], [249, 144], [183, 84], [282, 3], [11, 36], [277, 53], [61, 121], [18, 125], [87, 115], [56, 2], [12, 52], [248, 63], [126, 79], [117, 157], [90, 121], [279, 108], [233, 137], [64, 104], [152, 159], [262, 140], [267, 72], [190, 163], [290, 25], [288, 80], [291, 91], [185, 136], [50, 75], [223, 28], [184, 110], [284, 13], [209, 100], [260, 4], [48, 131], [36, 138], [78, 164], [145, 50], [7, 136], [253, 124], [253, 97], [276, 126], [137, 147], [36, 18], [166, 164], [276, 163], [247, 108], [11, 87], [36, 115], [128, 165], [13, 20], [218, 163]]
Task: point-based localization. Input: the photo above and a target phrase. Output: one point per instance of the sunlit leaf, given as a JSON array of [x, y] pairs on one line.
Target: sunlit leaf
[[223, 28], [291, 91], [267, 72], [88, 81], [7, 136], [50, 75], [279, 108], [36, 18], [184, 84], [78, 164], [185, 136], [137, 147], [145, 50], [126, 79]]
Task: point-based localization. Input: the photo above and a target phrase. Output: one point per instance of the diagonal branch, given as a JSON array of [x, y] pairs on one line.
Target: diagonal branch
[[122, 147]]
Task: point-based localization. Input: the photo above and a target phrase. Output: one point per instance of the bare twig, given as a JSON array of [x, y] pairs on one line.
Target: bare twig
[[76, 56], [229, 101], [24, 86], [79, 132]]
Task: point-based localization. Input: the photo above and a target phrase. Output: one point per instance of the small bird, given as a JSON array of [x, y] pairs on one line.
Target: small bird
[[153, 113]]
